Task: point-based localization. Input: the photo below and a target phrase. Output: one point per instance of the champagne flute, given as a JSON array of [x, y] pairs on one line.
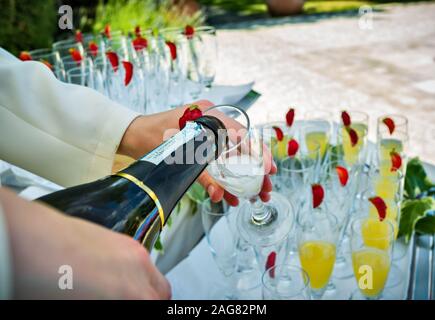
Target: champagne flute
[[83, 76], [178, 64], [371, 247], [296, 175], [317, 130], [52, 60], [341, 181], [276, 137], [240, 170], [286, 282], [222, 239], [354, 148], [207, 49], [387, 145], [390, 189], [317, 235]]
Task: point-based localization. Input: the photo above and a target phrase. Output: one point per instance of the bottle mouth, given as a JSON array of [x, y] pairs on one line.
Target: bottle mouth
[[216, 126]]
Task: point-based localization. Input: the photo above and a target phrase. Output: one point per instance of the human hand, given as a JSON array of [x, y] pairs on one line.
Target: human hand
[[105, 264], [147, 132]]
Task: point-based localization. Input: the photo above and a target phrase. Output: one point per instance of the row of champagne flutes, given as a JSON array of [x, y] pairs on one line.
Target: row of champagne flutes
[[335, 208], [147, 71]]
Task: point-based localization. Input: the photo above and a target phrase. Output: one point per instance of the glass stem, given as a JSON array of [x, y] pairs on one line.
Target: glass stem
[[260, 213]]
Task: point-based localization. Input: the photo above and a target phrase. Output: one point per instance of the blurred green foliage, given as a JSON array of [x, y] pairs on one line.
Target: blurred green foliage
[[27, 24], [32, 24], [126, 14]]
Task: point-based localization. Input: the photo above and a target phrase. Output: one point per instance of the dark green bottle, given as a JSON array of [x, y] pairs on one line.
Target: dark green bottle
[[139, 199]]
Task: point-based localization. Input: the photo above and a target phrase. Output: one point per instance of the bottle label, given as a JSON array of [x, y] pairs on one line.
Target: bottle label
[[159, 154]]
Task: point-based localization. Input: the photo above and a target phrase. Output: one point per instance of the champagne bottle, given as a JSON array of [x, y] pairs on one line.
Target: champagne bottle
[[138, 200]]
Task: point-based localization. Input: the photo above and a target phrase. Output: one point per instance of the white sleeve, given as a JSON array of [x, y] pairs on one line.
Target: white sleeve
[[65, 133], [5, 260]]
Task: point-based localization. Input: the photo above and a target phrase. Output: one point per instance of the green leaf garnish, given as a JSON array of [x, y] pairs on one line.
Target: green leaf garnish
[[413, 212], [416, 180]]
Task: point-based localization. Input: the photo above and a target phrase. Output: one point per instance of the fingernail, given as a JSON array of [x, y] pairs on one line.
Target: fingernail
[[211, 189]]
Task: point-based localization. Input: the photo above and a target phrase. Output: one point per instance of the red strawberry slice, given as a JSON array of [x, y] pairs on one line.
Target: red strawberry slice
[[345, 117], [48, 64], [195, 112], [189, 31], [318, 194], [25, 56], [396, 161], [75, 55], [191, 113], [343, 175], [290, 117], [107, 31], [93, 48], [270, 263], [380, 205], [128, 66], [390, 124], [182, 121], [172, 49], [140, 43], [279, 133], [353, 136], [292, 147], [114, 60], [79, 36], [137, 32]]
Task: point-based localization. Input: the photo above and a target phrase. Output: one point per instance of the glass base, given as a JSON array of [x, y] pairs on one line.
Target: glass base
[[385, 295], [357, 295], [273, 229]]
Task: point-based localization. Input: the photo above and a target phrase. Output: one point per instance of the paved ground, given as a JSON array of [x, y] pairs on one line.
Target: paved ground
[[332, 63]]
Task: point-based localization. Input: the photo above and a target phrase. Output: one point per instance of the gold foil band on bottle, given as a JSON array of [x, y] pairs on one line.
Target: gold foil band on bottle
[[148, 191]]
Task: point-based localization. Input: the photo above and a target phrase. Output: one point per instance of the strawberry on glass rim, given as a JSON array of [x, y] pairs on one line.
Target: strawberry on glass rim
[[343, 175], [79, 36], [380, 206], [396, 161], [140, 43], [278, 132], [48, 64], [93, 48], [292, 147], [107, 31], [390, 124], [318, 194], [353, 135], [189, 31], [270, 263], [128, 66], [75, 55], [345, 117], [172, 49], [137, 32], [113, 59], [25, 56], [290, 117], [191, 113]]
